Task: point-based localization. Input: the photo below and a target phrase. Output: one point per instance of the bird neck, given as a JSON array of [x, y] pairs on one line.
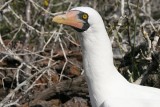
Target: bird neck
[[101, 75], [97, 53]]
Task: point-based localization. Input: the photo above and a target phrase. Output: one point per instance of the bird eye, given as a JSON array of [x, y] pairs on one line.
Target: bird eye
[[85, 16]]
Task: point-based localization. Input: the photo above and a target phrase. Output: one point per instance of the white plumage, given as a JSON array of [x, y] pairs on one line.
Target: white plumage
[[107, 87]]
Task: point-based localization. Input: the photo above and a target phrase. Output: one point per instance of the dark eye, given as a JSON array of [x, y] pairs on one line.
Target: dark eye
[[84, 16]]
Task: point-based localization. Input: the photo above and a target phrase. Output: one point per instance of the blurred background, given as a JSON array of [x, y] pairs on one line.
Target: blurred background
[[41, 62]]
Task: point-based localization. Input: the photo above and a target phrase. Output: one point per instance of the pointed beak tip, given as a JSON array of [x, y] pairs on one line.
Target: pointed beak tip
[[54, 19], [59, 19]]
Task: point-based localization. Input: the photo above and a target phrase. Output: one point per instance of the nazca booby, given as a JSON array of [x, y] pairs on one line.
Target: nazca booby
[[107, 87]]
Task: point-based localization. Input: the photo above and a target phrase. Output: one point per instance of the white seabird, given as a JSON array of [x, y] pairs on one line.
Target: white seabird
[[107, 87]]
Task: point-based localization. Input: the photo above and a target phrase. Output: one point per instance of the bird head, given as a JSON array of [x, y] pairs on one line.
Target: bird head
[[79, 18]]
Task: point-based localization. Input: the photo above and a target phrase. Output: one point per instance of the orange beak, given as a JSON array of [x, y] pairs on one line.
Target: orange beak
[[70, 18]]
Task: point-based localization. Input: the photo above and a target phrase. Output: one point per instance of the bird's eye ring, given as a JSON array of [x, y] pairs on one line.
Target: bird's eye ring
[[85, 16]]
